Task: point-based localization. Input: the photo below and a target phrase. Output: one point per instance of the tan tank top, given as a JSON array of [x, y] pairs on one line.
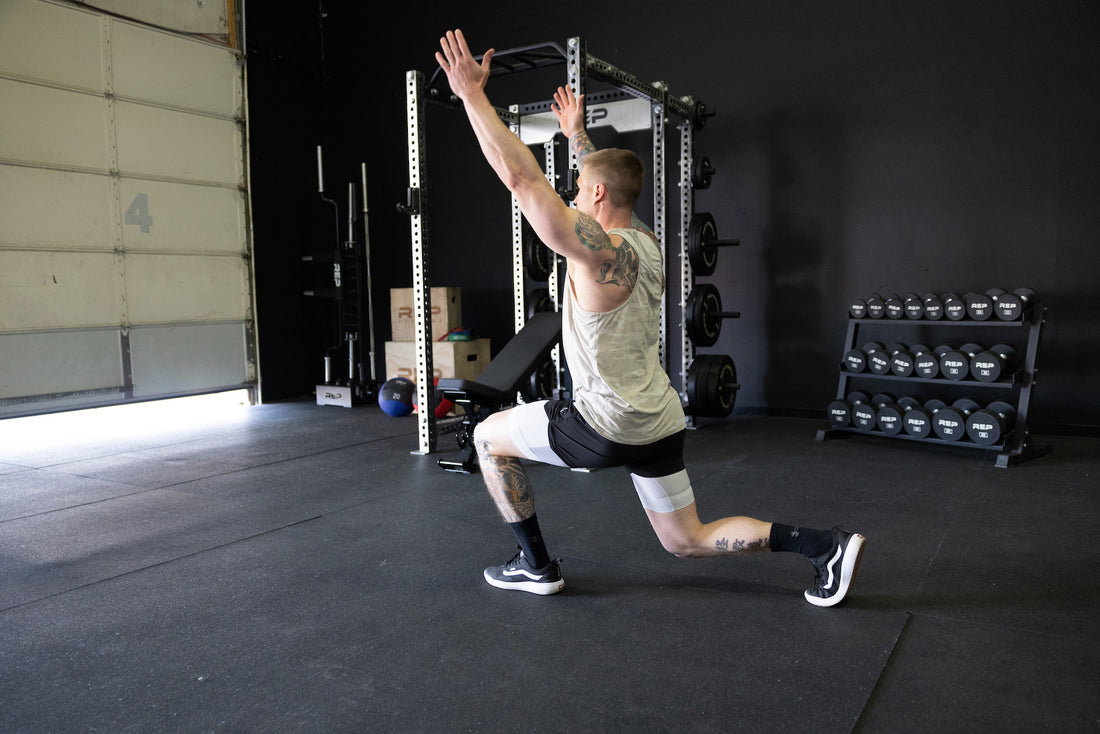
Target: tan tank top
[[619, 385]]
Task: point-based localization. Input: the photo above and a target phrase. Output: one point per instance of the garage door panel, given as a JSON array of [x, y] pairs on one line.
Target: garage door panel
[[43, 207], [157, 142], [164, 69], [183, 217], [124, 240], [48, 43], [181, 358], [77, 361], [43, 125], [165, 288], [50, 290]]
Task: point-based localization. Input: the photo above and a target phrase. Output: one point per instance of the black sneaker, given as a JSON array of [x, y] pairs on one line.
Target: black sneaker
[[517, 574], [836, 569]]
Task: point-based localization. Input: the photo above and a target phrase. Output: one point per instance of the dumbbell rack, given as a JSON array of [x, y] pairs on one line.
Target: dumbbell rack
[[1017, 445]]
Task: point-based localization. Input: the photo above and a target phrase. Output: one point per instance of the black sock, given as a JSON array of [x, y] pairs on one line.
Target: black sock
[[530, 540], [807, 541]]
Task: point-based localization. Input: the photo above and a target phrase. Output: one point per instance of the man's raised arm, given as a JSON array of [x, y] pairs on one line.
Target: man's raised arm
[[569, 109], [513, 162]]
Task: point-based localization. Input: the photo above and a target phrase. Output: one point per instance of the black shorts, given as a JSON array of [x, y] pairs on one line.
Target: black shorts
[[579, 446]]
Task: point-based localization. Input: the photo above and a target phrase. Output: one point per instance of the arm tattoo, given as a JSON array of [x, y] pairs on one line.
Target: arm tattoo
[[590, 233], [507, 482], [619, 269], [581, 145]]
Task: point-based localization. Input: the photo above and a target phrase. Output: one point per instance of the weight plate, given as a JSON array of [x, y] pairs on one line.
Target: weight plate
[[712, 385], [700, 313], [537, 257], [701, 171], [702, 252], [538, 301]]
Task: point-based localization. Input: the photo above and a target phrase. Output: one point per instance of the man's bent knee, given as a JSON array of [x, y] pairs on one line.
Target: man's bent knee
[[491, 437]]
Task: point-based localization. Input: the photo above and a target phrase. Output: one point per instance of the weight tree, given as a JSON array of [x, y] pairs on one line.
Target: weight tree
[[631, 103]]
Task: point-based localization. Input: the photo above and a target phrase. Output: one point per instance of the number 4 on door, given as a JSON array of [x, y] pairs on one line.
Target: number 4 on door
[[138, 212]]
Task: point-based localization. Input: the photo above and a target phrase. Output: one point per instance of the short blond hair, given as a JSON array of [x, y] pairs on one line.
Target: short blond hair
[[620, 170]]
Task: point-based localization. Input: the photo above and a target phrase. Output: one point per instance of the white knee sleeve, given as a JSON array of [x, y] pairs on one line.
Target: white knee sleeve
[[664, 494]]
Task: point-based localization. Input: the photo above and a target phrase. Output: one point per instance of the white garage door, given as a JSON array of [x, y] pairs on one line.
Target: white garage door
[[125, 260]]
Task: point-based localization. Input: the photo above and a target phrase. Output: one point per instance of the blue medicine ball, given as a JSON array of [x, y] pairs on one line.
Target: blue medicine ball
[[396, 396]]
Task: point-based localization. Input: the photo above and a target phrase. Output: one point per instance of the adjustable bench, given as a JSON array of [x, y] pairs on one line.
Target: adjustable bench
[[496, 386]]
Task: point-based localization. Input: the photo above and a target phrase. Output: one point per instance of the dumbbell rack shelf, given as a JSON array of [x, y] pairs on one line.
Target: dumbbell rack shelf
[[1017, 445]]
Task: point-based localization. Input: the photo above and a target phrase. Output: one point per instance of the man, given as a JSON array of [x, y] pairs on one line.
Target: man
[[625, 411]]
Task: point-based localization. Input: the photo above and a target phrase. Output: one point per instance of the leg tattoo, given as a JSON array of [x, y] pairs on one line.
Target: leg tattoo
[[507, 482], [725, 545]]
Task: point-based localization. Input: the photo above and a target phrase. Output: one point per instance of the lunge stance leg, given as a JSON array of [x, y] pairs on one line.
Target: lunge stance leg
[[670, 506], [510, 489]]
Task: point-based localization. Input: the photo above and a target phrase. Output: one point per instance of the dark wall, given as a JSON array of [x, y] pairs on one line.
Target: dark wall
[[933, 146]]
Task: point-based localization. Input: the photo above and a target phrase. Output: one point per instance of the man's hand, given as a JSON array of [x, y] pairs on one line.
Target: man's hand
[[570, 111], [463, 72]]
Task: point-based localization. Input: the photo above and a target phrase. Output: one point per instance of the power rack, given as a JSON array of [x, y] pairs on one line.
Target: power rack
[[631, 105]]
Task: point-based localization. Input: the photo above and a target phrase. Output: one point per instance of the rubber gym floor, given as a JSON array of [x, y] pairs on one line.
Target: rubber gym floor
[[298, 568]]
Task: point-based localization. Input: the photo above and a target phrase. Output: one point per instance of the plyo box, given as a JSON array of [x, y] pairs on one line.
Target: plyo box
[[462, 359], [446, 313]]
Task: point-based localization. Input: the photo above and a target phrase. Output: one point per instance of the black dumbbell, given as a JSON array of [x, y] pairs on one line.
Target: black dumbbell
[[970, 350], [878, 361], [857, 309], [876, 306], [864, 415], [955, 363], [840, 411], [979, 306], [901, 363], [991, 424], [995, 296], [954, 308], [917, 420], [914, 306], [887, 413], [988, 365], [950, 423], [933, 307], [894, 306], [855, 360], [1011, 306], [926, 363]]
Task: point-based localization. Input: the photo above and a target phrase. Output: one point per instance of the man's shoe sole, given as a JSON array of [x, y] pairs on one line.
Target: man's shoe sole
[[848, 571], [542, 588]]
